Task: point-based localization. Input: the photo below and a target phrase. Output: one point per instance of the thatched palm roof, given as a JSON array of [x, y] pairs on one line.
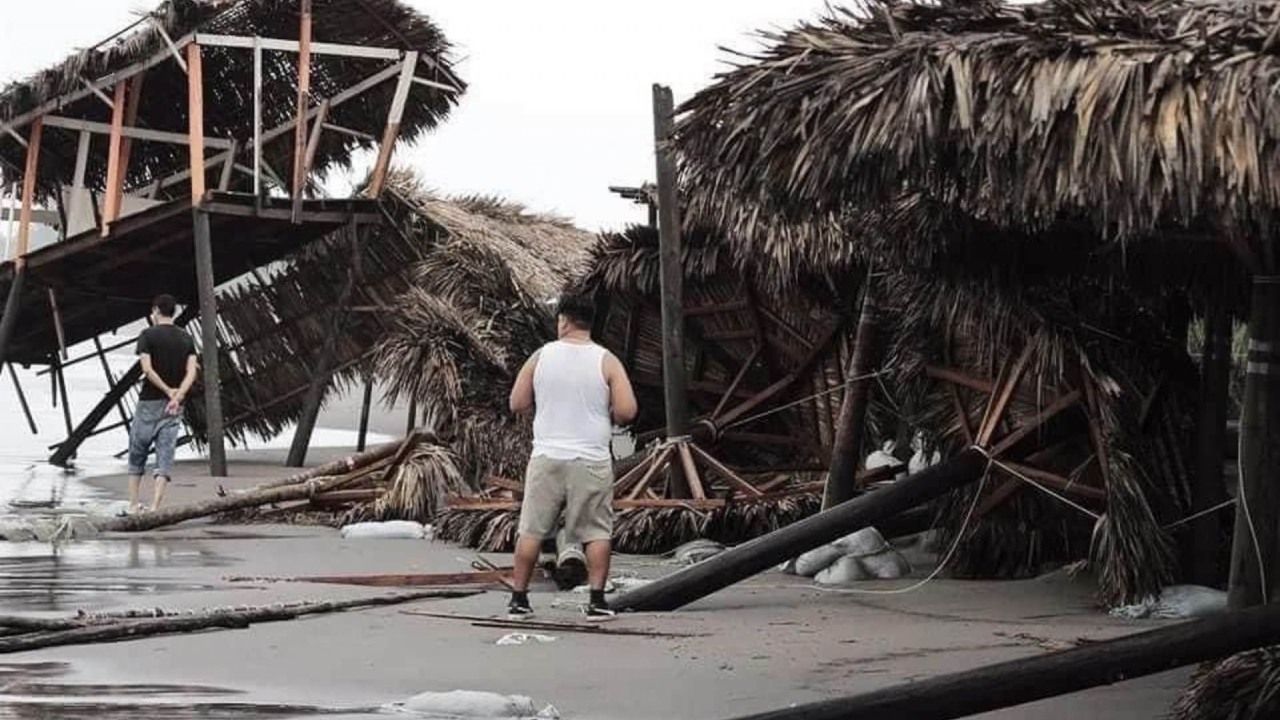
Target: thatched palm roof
[[228, 83], [1128, 118]]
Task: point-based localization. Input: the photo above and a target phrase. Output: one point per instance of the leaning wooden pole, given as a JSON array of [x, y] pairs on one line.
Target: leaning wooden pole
[[210, 370], [1208, 489], [842, 482], [1255, 558], [739, 563], [1024, 680], [670, 254], [362, 436]]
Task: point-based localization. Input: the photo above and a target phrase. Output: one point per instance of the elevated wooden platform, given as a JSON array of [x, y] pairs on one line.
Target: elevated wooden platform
[[91, 284]]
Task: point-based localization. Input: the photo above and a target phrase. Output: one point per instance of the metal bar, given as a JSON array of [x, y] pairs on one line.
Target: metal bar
[[319, 48], [22, 399]]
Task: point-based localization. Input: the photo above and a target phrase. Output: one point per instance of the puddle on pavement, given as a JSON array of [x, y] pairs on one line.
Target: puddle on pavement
[[27, 693], [45, 576]]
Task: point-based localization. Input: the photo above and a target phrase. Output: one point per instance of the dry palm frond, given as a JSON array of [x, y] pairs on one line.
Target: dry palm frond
[[1242, 687], [417, 489]]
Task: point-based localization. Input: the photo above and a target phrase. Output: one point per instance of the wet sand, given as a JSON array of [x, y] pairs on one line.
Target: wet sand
[[767, 643]]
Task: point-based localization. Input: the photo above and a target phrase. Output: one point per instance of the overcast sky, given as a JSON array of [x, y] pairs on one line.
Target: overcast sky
[[559, 100]]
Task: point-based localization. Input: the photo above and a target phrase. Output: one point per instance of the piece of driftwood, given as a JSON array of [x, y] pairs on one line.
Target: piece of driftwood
[[90, 630], [482, 621], [484, 577], [1024, 680], [337, 467], [743, 561], [264, 496]]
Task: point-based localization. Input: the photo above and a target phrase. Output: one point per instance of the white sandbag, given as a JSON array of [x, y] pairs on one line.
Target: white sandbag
[[519, 638], [921, 458], [470, 704], [867, 541], [1177, 601], [884, 457], [392, 529], [817, 560], [888, 565], [843, 571], [695, 551]]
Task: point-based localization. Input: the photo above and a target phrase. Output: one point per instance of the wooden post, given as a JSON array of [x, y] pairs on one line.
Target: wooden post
[[672, 276], [1255, 570], [363, 437], [846, 451], [29, 174], [320, 377], [741, 562], [111, 379], [1006, 684], [195, 126], [257, 120], [115, 176], [211, 374], [413, 415], [1201, 557], [57, 323], [304, 94], [12, 306], [392, 131], [22, 399], [61, 380], [126, 143]]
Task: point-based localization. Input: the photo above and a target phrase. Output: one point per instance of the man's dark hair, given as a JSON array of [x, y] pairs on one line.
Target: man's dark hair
[[165, 305], [578, 308]]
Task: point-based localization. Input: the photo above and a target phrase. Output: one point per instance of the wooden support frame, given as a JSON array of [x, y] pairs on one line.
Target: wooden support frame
[[132, 102], [211, 373], [29, 173], [392, 131], [730, 476], [661, 461], [737, 380], [57, 323], [691, 477], [1000, 401], [22, 400], [279, 45]]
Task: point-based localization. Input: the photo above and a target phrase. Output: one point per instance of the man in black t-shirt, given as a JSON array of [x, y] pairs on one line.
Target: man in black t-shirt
[[168, 358]]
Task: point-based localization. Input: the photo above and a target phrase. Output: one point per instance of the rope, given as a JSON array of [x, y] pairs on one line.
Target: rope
[[1038, 486], [955, 545], [801, 401], [1225, 503], [1243, 495]]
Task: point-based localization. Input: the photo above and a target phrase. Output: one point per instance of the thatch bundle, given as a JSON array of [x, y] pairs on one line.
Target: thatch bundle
[[1242, 687], [228, 84]]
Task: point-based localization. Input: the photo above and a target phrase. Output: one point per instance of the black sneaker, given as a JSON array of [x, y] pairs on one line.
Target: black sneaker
[[597, 610], [519, 610]]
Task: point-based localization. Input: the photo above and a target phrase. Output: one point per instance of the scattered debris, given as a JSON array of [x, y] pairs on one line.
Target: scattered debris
[[696, 551], [1177, 601], [520, 638], [587, 628]]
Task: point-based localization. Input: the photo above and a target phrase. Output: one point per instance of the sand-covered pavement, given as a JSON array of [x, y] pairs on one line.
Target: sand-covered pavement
[[766, 643]]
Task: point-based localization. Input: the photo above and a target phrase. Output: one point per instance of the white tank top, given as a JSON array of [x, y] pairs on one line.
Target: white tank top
[[571, 403]]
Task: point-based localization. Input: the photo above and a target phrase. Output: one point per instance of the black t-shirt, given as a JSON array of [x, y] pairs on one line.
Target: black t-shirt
[[169, 347]]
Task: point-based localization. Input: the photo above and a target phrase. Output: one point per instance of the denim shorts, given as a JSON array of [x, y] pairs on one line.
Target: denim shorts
[[152, 425]]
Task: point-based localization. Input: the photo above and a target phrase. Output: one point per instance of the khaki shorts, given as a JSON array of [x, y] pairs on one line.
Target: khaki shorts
[[582, 489]]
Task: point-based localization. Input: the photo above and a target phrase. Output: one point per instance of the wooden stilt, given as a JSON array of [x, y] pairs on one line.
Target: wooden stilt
[[846, 451], [304, 93], [211, 373], [22, 399], [730, 476], [12, 308], [115, 176], [195, 122], [111, 378], [57, 323], [413, 416], [670, 242], [62, 392], [320, 379], [366, 402], [1255, 558], [1208, 489], [67, 448]]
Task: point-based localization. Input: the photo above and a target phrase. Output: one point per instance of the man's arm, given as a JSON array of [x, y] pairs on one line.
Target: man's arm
[[153, 377], [188, 379], [622, 398], [521, 400]]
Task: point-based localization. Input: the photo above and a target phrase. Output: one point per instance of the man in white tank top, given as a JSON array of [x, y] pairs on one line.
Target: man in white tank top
[[577, 390]]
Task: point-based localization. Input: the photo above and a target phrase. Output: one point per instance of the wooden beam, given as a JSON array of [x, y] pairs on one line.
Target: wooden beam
[[115, 178], [954, 376], [670, 243], [348, 131], [126, 143], [737, 380], [211, 375], [195, 133], [317, 48], [437, 85], [82, 160], [1001, 403], [173, 48], [304, 99], [128, 131], [392, 131], [660, 462], [1054, 408], [58, 330], [691, 472], [730, 476], [257, 118], [29, 173], [842, 482]]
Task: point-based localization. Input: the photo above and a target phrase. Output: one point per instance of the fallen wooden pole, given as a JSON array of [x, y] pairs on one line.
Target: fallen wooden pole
[[128, 629], [263, 496], [336, 467], [750, 558], [482, 621], [1024, 680], [391, 579]]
